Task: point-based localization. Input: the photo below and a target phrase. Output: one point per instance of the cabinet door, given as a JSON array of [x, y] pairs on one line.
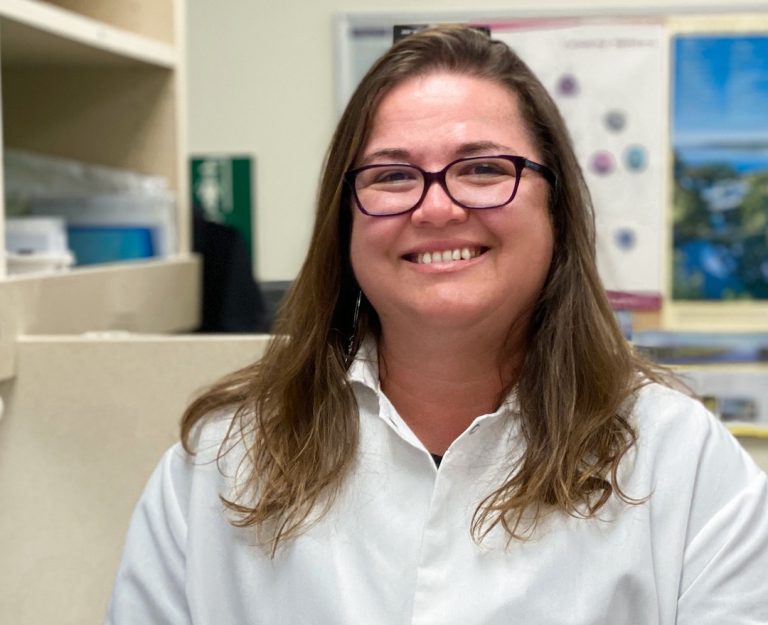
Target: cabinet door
[[85, 422]]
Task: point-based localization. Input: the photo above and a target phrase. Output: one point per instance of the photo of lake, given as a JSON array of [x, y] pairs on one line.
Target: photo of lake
[[720, 143]]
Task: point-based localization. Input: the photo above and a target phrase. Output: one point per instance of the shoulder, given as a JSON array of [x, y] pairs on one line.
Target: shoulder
[[211, 435], [708, 502], [210, 467], [686, 459], [666, 417], [179, 503], [656, 405], [677, 430]]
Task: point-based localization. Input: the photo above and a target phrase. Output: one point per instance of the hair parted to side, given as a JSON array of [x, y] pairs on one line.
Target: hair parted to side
[[294, 410]]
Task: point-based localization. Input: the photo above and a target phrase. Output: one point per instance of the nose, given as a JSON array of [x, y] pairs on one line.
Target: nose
[[438, 209]]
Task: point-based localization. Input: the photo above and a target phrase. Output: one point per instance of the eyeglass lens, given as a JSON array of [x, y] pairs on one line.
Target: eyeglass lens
[[474, 183]]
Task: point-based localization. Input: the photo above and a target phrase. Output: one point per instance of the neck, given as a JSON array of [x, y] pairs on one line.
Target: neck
[[440, 382]]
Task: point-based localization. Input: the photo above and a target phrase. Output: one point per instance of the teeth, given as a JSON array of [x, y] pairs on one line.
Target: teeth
[[464, 253]]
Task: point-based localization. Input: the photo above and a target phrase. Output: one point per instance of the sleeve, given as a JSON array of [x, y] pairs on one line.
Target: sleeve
[[725, 564], [150, 582]]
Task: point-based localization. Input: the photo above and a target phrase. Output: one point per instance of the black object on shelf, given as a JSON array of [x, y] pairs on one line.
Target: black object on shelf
[[232, 300]]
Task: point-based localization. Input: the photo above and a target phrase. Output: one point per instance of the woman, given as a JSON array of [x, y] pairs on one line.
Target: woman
[[449, 426]]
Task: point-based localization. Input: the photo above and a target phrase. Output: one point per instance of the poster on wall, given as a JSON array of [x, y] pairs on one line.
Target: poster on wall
[[720, 143], [608, 82]]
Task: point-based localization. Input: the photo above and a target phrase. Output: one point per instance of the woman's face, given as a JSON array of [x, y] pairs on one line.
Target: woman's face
[[430, 121]]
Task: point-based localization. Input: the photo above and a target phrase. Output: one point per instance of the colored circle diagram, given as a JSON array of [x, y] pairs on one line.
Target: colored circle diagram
[[602, 162], [636, 158], [615, 120], [567, 85], [625, 238]]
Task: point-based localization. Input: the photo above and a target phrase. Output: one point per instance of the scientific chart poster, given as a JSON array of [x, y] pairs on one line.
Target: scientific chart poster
[[609, 81], [720, 143]]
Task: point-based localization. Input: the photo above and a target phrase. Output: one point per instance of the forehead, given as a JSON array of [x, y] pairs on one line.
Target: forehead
[[440, 109]]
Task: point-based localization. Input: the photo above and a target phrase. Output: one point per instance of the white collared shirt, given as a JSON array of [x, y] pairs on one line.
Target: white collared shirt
[[396, 547]]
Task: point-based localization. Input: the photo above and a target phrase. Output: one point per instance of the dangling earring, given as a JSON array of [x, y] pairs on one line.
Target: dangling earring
[[353, 335]]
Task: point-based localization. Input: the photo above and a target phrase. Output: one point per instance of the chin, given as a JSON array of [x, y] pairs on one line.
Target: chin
[[449, 314]]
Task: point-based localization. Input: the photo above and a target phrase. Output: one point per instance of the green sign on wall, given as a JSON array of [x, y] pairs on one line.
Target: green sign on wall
[[222, 188]]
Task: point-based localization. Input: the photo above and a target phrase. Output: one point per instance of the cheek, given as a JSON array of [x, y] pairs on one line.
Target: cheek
[[373, 260], [372, 240], [542, 241], [526, 241], [361, 252]]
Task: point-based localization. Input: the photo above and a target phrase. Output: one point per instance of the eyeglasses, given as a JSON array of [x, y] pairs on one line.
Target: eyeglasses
[[476, 182]]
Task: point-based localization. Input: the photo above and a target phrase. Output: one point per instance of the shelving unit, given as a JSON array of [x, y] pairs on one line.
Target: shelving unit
[[101, 82]]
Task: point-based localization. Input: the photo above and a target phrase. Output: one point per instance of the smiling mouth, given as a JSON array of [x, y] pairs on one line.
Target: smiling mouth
[[445, 256]]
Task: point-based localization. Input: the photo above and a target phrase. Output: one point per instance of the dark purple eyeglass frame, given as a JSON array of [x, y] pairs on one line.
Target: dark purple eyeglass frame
[[430, 177]]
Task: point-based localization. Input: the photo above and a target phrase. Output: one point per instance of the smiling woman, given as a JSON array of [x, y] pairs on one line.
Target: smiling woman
[[445, 307], [449, 426]]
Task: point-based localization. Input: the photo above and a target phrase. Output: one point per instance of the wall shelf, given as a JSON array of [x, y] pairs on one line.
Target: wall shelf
[[37, 33], [102, 82]]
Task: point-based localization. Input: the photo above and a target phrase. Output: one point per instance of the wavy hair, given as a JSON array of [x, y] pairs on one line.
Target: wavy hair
[[294, 410]]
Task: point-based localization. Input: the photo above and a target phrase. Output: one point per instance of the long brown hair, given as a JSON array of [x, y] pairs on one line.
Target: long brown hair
[[296, 414]]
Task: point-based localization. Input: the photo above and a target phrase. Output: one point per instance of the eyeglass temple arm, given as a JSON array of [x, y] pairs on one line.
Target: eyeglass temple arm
[[545, 171]]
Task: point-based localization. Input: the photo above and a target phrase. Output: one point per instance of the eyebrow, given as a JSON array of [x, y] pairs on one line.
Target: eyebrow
[[478, 147], [389, 154], [465, 149]]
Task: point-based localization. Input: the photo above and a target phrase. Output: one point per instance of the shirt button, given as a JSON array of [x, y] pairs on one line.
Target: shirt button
[[474, 428]]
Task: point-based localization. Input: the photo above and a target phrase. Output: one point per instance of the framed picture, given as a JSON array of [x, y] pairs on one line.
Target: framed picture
[[717, 265]]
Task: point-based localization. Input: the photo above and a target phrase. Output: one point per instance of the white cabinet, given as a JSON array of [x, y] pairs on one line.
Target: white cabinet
[[86, 420], [103, 82]]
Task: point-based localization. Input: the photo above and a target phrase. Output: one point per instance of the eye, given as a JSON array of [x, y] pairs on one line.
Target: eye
[[484, 171], [389, 177], [394, 175]]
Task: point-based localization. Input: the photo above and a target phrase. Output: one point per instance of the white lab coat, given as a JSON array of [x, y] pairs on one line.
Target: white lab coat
[[396, 547]]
